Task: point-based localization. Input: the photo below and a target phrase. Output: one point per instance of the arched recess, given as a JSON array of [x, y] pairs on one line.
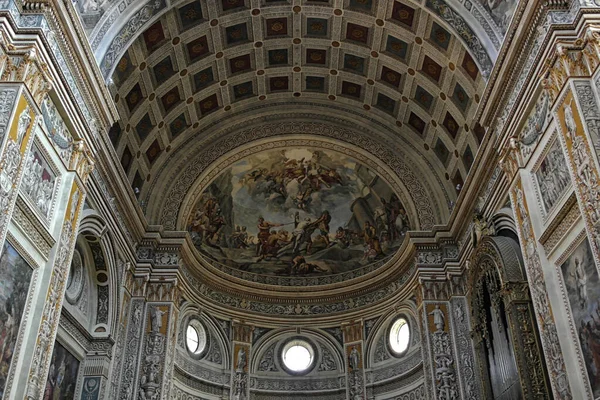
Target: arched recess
[[504, 223], [205, 374], [217, 348], [99, 254], [328, 353], [395, 375], [506, 340], [270, 378], [377, 350]]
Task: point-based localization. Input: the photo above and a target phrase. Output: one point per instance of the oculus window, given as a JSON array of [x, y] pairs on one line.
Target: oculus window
[[195, 338], [399, 336], [298, 356]]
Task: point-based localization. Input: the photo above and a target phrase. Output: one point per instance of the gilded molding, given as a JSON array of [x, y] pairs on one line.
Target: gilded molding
[[560, 225], [40, 237]]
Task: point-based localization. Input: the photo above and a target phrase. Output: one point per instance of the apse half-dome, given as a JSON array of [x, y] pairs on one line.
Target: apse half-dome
[[298, 211]]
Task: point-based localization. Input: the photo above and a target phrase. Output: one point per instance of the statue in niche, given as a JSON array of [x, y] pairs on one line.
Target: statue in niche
[[438, 318], [241, 359], [156, 315], [354, 359], [23, 126], [570, 121]]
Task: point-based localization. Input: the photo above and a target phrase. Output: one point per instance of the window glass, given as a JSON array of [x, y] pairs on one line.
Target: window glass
[[297, 356], [195, 337], [399, 336]]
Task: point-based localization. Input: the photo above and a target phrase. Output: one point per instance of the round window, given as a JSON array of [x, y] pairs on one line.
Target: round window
[[298, 356], [399, 336], [195, 337]]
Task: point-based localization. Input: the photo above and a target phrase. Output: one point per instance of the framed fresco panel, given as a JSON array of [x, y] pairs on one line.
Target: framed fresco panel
[[582, 286], [39, 182], [15, 277], [552, 177], [62, 376]]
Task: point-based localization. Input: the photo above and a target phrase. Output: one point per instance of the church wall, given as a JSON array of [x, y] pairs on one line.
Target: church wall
[[120, 334]]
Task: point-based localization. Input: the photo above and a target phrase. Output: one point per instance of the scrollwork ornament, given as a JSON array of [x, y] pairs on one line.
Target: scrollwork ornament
[[7, 101], [267, 362]]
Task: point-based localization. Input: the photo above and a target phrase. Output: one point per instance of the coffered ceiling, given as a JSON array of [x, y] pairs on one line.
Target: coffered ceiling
[[407, 75]]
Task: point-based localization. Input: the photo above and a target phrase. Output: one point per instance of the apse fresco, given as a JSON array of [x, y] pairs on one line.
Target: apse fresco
[[15, 275], [298, 211], [583, 288], [62, 376]]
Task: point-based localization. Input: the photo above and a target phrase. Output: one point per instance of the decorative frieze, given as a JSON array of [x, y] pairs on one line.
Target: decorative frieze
[[37, 234], [561, 225]]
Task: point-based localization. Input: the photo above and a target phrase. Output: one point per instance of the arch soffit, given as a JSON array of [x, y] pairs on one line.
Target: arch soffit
[[92, 223], [504, 254]]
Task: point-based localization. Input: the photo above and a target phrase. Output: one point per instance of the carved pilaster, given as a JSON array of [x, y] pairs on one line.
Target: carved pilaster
[[58, 269], [17, 127], [240, 380], [151, 383], [354, 351], [440, 345], [578, 141], [470, 380], [539, 295]]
